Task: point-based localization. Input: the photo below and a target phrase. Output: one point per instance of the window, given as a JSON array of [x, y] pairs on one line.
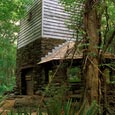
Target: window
[[29, 16]]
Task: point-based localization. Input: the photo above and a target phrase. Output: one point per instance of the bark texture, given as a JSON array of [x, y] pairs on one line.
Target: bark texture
[[91, 21]]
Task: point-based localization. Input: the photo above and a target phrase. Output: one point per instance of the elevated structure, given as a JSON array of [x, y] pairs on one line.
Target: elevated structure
[[45, 19], [42, 31], [45, 40]]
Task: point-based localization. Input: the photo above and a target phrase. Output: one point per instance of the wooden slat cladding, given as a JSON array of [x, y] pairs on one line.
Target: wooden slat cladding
[[30, 28], [54, 20], [46, 19]]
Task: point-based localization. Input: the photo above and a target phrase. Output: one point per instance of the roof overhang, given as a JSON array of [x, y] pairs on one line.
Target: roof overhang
[[67, 52]]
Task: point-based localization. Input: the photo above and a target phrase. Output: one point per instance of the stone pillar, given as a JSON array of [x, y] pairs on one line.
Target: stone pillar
[[37, 73], [106, 74]]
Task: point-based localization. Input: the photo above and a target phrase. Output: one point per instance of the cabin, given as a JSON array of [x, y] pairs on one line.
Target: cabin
[[44, 43], [42, 31]]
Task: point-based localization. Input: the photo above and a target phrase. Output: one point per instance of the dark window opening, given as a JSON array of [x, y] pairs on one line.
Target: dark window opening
[[23, 83], [29, 16], [26, 82]]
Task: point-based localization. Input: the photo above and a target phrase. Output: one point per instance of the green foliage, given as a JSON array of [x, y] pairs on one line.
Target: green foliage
[[107, 24], [94, 109], [58, 108], [75, 10], [106, 12], [11, 11], [56, 104], [7, 64], [104, 28], [74, 74]]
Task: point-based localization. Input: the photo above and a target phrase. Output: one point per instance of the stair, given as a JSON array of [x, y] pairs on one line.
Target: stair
[[56, 48]]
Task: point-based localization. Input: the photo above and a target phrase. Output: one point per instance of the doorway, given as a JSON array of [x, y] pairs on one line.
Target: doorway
[[27, 82]]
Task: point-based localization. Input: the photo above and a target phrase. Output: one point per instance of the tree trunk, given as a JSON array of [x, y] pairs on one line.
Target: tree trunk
[[91, 21]]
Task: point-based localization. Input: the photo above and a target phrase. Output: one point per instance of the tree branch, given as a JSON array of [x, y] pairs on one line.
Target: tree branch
[[109, 41]]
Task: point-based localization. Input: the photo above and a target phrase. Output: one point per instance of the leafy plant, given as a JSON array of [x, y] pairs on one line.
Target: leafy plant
[[74, 74], [57, 108], [11, 11]]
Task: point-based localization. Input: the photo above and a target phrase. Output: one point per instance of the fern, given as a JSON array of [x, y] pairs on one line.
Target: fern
[[94, 109]]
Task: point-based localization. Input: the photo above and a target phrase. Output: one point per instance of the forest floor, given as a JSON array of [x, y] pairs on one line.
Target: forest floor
[[23, 102]]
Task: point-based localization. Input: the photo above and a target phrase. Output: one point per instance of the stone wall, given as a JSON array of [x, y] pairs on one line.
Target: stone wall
[[30, 55], [49, 44], [111, 98]]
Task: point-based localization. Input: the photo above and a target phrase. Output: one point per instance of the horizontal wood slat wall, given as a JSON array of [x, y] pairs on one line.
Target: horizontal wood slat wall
[[44, 19], [54, 21], [30, 29]]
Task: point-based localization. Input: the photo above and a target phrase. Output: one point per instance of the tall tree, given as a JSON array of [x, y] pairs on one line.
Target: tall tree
[[11, 11], [99, 30], [92, 27]]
